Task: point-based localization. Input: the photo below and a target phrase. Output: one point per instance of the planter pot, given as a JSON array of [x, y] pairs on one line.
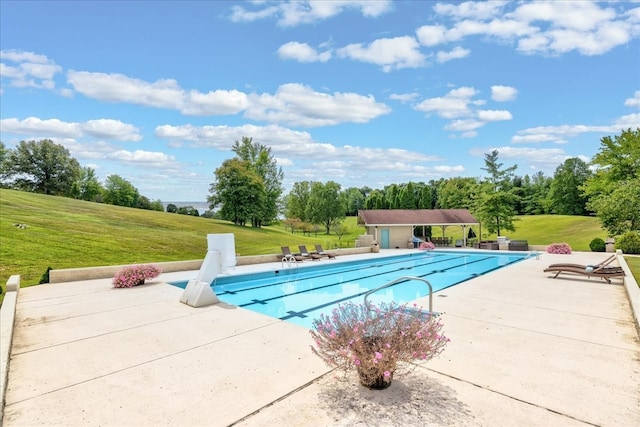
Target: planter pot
[[377, 383]]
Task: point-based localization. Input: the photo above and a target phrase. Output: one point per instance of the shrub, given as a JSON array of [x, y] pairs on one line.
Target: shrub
[[427, 246], [559, 248], [134, 275], [629, 243], [372, 339], [597, 245]]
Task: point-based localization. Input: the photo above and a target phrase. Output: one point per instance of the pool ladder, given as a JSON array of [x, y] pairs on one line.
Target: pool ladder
[[289, 259], [404, 279]]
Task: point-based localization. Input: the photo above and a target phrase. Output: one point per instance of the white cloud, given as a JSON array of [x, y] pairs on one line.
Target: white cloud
[[503, 93], [28, 69], [403, 97], [539, 158], [457, 53], [470, 9], [494, 115], [296, 104], [431, 35], [49, 128], [389, 53], [285, 143], [164, 93], [460, 106], [625, 122], [292, 104], [302, 52], [454, 104], [560, 134], [120, 88], [547, 28], [634, 101], [464, 125], [153, 159], [111, 130], [218, 102], [292, 13]]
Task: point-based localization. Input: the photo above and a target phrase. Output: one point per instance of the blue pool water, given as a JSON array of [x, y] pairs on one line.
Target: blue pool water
[[301, 294]]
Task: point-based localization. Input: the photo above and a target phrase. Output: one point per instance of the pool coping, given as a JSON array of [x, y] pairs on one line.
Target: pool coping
[[10, 309]]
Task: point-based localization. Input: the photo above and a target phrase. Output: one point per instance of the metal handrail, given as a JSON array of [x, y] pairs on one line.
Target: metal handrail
[[288, 259], [404, 279]]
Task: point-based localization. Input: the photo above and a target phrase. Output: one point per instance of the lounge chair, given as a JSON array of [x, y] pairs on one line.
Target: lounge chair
[[288, 256], [321, 252], [601, 270], [604, 263], [305, 253]]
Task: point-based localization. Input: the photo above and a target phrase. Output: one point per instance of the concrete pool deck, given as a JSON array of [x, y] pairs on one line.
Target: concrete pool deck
[[525, 349]]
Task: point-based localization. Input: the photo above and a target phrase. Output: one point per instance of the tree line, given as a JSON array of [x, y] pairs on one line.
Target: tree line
[[48, 168], [247, 189]]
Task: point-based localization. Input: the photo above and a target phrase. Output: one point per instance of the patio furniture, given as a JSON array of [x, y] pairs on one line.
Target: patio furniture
[[518, 245], [601, 270]]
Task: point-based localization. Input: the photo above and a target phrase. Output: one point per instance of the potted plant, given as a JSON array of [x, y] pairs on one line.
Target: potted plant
[[134, 275], [428, 246], [377, 340], [559, 248]]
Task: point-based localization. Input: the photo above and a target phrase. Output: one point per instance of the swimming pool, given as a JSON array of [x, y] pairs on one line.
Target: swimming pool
[[301, 294]]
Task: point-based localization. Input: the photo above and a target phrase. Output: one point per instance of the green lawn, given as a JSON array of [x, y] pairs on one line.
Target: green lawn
[[577, 231], [66, 233]]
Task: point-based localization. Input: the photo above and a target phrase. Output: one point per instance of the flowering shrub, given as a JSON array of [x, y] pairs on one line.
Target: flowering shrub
[[427, 246], [559, 248], [374, 338], [135, 275]]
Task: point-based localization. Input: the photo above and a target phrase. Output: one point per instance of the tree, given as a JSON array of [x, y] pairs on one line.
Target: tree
[[156, 205], [354, 199], [297, 200], [4, 154], [407, 197], [391, 196], [261, 161], [619, 212], [425, 196], [118, 191], [534, 198], [41, 167], [495, 205], [171, 208], [188, 210], [325, 206], [458, 193], [375, 200], [565, 194], [238, 190], [86, 186], [612, 190]]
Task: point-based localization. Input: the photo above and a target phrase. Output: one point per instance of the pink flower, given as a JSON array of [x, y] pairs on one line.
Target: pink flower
[[378, 355], [387, 374]]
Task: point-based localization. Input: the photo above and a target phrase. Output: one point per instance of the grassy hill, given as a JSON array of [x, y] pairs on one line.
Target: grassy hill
[[66, 233]]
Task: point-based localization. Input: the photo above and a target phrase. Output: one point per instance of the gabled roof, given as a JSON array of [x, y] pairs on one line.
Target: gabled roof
[[379, 217]]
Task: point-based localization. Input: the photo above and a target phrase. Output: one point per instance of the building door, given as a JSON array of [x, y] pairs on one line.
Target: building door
[[384, 238]]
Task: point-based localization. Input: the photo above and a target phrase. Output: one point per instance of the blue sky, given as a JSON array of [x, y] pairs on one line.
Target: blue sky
[[364, 93]]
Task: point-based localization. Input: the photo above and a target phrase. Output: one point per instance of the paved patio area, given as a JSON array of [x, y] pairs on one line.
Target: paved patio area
[[525, 349]]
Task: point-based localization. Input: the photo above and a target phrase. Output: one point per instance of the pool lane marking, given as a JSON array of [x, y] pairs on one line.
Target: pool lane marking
[[333, 283], [302, 314], [266, 300], [350, 270]]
